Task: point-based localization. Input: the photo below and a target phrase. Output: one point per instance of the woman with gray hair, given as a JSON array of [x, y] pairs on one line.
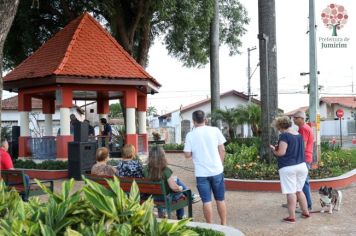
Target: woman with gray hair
[[291, 166]]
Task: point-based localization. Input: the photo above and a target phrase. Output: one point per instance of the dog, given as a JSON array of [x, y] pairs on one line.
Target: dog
[[330, 198]]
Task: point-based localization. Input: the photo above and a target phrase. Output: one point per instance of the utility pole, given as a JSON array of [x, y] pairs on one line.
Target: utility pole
[[314, 115], [249, 74], [268, 74]]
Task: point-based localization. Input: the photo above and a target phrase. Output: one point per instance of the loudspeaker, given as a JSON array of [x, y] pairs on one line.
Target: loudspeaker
[[81, 158], [15, 133], [81, 130], [14, 149]]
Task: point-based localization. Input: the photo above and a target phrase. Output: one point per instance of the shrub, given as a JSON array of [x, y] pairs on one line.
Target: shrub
[[45, 165], [243, 162], [92, 210], [173, 146]]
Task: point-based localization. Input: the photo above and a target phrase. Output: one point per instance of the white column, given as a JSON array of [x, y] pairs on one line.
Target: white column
[[48, 125], [130, 121], [65, 121], [142, 122], [103, 116], [24, 123]]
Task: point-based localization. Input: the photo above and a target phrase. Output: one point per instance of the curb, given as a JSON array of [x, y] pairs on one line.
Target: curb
[[338, 182], [227, 230]]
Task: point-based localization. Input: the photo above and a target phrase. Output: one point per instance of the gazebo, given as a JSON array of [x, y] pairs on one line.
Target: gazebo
[[81, 62]]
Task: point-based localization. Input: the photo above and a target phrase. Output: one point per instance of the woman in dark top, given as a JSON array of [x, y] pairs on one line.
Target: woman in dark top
[[291, 166], [129, 166]]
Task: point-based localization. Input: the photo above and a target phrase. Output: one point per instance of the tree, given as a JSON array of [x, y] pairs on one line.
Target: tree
[[251, 114], [7, 13], [151, 111], [229, 116], [268, 73], [115, 110], [135, 24], [334, 17], [214, 62]]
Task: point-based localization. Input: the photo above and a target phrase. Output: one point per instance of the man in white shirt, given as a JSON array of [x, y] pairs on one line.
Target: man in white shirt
[[205, 144]]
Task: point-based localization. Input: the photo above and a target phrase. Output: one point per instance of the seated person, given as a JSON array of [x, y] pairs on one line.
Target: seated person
[[157, 168], [7, 164], [129, 166], [101, 167]]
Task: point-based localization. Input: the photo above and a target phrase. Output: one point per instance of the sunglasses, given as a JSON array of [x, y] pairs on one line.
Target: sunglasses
[[296, 117]]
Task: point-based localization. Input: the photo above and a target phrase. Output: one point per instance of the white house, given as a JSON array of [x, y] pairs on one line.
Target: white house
[[10, 116], [180, 120], [330, 123]]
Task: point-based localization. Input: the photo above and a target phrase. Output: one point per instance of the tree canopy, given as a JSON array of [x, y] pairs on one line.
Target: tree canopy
[[182, 25]]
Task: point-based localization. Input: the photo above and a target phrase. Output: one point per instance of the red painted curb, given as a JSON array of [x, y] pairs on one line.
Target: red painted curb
[[341, 181]]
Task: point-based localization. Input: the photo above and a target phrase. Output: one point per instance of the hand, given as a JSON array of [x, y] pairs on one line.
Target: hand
[[180, 188], [272, 147]]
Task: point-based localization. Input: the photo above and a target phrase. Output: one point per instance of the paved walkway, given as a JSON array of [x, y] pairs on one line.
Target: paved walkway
[[260, 213]]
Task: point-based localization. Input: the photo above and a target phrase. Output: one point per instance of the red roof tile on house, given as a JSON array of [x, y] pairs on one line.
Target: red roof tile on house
[[207, 100], [82, 48], [12, 103], [291, 113], [343, 101]]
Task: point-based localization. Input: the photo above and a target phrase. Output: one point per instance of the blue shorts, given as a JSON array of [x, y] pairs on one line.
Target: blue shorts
[[215, 184]]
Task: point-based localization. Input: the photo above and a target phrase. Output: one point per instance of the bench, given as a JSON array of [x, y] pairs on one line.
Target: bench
[[16, 179], [154, 188]]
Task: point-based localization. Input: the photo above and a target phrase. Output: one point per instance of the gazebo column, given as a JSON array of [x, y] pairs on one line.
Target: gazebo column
[[142, 128], [24, 107], [102, 107], [48, 110], [130, 105], [64, 98]]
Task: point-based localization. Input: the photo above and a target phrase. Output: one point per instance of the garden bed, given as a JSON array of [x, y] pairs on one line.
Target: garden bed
[[274, 185]]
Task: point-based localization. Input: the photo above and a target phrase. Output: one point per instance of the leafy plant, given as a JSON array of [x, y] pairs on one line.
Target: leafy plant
[[243, 162], [91, 210], [45, 165], [173, 146]]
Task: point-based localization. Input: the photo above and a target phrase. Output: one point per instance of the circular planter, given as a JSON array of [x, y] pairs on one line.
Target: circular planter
[[338, 182], [227, 230], [46, 174]]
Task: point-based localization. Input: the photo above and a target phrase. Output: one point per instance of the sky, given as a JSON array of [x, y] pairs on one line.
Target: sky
[[182, 86]]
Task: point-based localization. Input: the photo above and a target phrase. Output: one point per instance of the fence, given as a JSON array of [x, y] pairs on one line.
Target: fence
[[43, 148], [332, 128]]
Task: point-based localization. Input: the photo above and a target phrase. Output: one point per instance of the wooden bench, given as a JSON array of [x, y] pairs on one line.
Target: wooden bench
[[156, 189], [16, 179]]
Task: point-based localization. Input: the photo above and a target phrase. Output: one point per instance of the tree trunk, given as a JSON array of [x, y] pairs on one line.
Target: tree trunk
[[268, 73], [214, 61], [7, 14]]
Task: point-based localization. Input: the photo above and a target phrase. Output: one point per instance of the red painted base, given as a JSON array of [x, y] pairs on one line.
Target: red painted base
[[24, 149], [132, 139], [62, 146]]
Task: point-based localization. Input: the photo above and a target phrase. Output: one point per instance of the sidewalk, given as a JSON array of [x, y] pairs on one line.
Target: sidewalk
[[260, 213]]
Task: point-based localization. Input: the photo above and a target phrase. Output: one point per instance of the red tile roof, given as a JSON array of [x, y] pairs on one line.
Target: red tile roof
[[291, 113], [82, 48], [207, 100], [12, 103], [343, 101]]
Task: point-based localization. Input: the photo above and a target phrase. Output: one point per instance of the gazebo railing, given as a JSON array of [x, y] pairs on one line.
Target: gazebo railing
[[43, 148]]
